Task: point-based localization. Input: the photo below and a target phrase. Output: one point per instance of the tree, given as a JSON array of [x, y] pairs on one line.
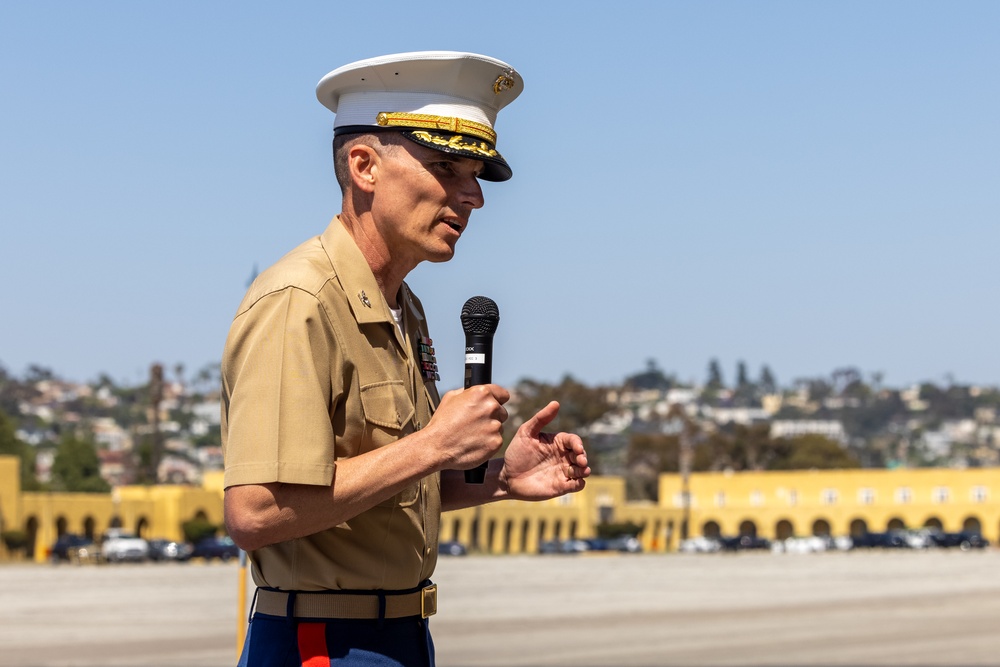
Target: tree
[[650, 454], [714, 381], [767, 383], [741, 375], [812, 451], [13, 393], [651, 378], [846, 381], [15, 540], [76, 467], [199, 528], [752, 447], [11, 445], [38, 373], [579, 405], [746, 392], [817, 389], [207, 380]]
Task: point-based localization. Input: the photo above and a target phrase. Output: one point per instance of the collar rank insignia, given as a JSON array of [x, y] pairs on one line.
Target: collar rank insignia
[[428, 362]]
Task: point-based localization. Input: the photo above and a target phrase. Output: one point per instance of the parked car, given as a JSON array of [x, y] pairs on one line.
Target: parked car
[[87, 553], [222, 548], [120, 547], [964, 540], [744, 542], [67, 546], [563, 547], [803, 545], [625, 543], [893, 539], [919, 538], [160, 550], [452, 548], [700, 545]]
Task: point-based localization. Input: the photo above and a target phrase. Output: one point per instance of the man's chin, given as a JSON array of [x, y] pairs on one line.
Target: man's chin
[[443, 255]]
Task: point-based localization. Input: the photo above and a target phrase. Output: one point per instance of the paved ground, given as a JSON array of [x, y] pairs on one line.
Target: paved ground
[[878, 608]]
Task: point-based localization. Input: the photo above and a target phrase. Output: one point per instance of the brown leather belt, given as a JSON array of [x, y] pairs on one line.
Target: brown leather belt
[[354, 605]]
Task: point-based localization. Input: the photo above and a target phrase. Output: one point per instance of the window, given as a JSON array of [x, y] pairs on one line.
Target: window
[[720, 499], [904, 495], [756, 498], [979, 494], [940, 494], [866, 496], [829, 497], [793, 497]]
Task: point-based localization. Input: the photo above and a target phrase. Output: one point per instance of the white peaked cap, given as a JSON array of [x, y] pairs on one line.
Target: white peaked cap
[[444, 100]]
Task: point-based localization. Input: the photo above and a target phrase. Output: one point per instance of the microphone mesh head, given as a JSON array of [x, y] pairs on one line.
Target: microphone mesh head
[[480, 315]]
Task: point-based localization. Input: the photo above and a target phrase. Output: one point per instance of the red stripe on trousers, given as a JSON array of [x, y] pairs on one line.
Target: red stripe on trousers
[[312, 645]]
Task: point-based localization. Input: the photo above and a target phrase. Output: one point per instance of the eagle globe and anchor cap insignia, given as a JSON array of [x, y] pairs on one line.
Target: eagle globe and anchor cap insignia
[[504, 82]]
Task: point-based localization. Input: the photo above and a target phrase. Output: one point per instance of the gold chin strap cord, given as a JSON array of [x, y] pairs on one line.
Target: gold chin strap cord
[[432, 122]]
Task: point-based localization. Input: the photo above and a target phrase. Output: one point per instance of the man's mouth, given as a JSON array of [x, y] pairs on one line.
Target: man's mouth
[[454, 225]]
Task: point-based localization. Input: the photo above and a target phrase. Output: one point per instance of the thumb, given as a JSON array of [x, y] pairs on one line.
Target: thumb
[[542, 419]]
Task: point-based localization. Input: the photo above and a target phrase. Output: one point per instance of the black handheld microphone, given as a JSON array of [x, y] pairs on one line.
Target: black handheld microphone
[[480, 317]]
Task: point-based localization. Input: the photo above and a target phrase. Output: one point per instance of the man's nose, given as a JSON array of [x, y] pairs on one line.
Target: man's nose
[[472, 193]]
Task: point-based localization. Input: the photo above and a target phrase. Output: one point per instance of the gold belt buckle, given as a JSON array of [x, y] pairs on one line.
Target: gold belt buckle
[[428, 601]]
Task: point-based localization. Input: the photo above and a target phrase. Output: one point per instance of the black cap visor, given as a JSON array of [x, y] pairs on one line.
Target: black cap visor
[[495, 168]]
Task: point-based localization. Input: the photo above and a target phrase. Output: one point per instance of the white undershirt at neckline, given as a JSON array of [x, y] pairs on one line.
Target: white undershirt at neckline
[[397, 314]]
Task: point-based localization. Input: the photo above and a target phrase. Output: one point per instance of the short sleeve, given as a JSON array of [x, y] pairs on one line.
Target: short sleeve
[[277, 392]]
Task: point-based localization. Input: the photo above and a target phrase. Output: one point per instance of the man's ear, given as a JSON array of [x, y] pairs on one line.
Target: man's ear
[[363, 161]]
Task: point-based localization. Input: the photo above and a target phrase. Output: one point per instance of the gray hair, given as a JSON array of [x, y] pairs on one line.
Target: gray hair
[[384, 142]]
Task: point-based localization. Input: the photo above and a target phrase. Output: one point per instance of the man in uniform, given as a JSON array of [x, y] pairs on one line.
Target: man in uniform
[[340, 454]]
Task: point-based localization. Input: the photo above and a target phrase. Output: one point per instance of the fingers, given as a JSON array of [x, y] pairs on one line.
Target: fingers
[[499, 393], [577, 466], [542, 419], [488, 397], [572, 445]]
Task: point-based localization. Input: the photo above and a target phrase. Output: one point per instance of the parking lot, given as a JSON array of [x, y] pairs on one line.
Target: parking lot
[[936, 607]]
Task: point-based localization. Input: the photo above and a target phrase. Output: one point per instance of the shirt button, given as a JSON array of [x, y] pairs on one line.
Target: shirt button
[[427, 551]]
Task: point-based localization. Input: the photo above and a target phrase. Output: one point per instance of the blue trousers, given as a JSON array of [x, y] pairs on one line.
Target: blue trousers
[[277, 641]]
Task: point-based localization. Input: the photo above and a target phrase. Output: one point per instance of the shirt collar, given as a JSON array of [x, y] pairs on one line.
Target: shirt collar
[[363, 293]]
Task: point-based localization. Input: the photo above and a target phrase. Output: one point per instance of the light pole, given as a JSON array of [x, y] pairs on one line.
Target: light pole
[[685, 469]]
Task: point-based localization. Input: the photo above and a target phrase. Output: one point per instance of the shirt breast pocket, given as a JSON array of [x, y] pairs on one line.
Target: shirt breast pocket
[[388, 417]]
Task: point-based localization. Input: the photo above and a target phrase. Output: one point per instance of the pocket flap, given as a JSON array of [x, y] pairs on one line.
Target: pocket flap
[[387, 404]]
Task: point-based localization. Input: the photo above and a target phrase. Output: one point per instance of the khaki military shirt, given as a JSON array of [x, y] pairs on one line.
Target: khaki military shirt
[[316, 370]]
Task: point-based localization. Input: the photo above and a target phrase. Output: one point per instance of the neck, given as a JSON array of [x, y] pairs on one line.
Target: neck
[[388, 271]]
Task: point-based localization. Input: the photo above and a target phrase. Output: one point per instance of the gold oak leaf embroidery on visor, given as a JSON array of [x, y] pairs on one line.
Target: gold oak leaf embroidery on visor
[[457, 143]]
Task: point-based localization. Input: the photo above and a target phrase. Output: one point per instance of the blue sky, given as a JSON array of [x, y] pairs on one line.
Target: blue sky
[[807, 185]]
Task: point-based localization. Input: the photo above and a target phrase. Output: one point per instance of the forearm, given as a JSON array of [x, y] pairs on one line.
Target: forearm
[[456, 494], [258, 515]]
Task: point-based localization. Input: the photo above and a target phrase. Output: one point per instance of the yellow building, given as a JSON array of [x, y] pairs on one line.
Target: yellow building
[[776, 505], [519, 527], [160, 511], [773, 505], [147, 511]]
